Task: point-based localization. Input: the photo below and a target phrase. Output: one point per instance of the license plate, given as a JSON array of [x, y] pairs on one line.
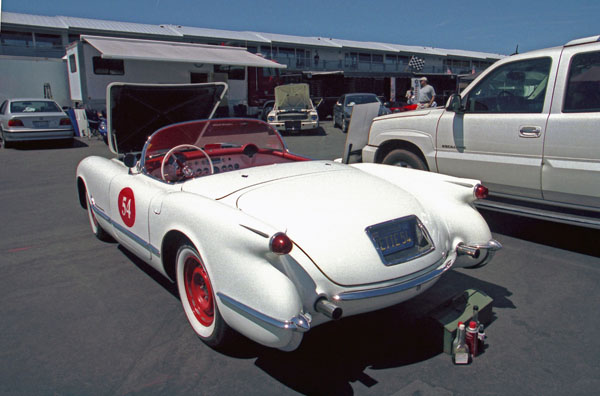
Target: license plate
[[40, 124], [393, 237], [400, 240], [293, 125]]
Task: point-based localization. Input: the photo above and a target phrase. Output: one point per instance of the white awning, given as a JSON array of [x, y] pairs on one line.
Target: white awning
[[165, 51]]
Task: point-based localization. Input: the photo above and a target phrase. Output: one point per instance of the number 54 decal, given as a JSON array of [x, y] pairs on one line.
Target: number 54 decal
[[126, 205]]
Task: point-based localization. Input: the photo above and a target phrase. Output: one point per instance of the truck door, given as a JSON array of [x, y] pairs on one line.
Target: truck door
[[499, 138], [130, 197], [571, 170]]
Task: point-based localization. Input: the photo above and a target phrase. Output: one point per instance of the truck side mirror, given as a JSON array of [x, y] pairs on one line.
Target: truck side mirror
[[455, 104]]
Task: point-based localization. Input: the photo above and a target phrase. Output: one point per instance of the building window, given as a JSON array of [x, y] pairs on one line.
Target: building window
[[403, 59], [233, 72], [289, 52], [113, 67], [16, 39], [377, 58], [364, 58], [252, 49], [72, 64], [391, 59], [351, 58], [43, 40], [73, 38], [268, 52]]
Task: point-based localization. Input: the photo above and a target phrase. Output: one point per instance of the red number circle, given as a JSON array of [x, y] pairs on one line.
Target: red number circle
[[126, 206]]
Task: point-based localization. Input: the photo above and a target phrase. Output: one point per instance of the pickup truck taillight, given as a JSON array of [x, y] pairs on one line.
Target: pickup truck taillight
[[65, 121], [15, 122]]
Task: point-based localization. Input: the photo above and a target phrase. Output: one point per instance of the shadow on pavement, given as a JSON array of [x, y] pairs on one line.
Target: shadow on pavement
[[562, 236], [336, 354], [48, 145], [320, 131]]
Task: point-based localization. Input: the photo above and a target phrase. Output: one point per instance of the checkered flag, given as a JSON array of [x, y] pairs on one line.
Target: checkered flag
[[416, 63]]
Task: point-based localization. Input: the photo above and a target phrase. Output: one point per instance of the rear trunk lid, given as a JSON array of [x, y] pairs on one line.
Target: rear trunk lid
[[327, 215]]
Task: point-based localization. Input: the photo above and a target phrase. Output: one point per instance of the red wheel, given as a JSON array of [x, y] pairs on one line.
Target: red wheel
[[199, 291], [198, 298]]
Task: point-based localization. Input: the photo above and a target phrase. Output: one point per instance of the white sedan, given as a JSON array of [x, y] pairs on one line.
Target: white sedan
[[33, 119], [271, 244]]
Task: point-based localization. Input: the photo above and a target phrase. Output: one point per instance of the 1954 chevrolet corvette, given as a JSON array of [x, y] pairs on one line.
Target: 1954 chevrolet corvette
[[262, 241]]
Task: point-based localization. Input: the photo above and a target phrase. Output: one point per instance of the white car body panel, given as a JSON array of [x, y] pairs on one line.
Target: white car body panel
[[325, 209]]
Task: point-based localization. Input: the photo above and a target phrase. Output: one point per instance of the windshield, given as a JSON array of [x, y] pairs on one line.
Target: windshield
[[34, 106], [213, 135], [361, 99]]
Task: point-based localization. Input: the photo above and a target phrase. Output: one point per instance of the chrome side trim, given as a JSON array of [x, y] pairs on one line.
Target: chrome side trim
[[262, 234], [300, 322], [395, 288], [131, 235]]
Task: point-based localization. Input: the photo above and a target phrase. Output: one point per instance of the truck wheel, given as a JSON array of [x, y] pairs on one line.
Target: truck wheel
[[404, 159], [198, 298]]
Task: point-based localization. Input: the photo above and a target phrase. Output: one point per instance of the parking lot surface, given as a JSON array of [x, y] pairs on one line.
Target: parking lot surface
[[83, 317]]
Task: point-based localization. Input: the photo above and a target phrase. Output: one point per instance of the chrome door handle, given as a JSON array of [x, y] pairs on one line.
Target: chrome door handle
[[530, 132]]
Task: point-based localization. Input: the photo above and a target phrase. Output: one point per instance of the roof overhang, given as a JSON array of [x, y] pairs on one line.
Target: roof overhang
[[165, 51]]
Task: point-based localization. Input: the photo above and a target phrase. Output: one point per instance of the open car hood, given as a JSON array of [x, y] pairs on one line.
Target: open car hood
[[135, 111], [292, 96]]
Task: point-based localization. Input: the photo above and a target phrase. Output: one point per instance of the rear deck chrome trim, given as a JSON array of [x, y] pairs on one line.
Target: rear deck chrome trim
[[404, 285], [300, 322]]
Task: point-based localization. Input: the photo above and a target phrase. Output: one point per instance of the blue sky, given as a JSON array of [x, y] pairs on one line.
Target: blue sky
[[490, 26]]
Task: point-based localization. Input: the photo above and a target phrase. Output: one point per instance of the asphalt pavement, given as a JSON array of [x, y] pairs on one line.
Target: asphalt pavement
[[82, 317]]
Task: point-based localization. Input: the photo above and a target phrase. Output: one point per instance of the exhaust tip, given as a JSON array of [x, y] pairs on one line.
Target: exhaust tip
[[328, 309]]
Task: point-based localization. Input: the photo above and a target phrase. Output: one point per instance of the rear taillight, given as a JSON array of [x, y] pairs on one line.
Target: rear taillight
[[15, 122], [281, 243], [481, 191], [65, 121]]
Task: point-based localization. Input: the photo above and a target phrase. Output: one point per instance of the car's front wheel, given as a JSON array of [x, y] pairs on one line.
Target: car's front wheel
[[96, 228], [198, 298], [344, 125], [404, 159]]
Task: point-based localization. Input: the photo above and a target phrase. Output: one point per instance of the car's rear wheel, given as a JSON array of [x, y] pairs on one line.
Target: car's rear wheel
[[404, 159], [198, 298], [5, 144], [96, 228]]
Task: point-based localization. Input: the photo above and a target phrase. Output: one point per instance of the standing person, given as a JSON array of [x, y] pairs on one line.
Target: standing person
[[426, 94]]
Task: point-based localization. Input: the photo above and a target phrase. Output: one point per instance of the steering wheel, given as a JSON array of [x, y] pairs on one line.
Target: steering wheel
[[185, 169]]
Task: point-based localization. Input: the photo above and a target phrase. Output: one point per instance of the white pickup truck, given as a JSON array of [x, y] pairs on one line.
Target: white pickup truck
[[528, 127]]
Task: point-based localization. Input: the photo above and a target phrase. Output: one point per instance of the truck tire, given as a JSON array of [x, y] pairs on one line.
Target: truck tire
[[404, 159]]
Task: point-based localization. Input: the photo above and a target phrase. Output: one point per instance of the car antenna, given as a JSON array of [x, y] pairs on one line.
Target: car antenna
[[516, 50]]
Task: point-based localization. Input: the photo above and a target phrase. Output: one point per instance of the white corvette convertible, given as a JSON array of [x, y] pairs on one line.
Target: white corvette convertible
[[262, 241]]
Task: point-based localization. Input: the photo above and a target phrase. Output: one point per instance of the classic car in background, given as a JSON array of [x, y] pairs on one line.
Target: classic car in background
[[342, 110], [293, 110], [33, 119], [262, 241]]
